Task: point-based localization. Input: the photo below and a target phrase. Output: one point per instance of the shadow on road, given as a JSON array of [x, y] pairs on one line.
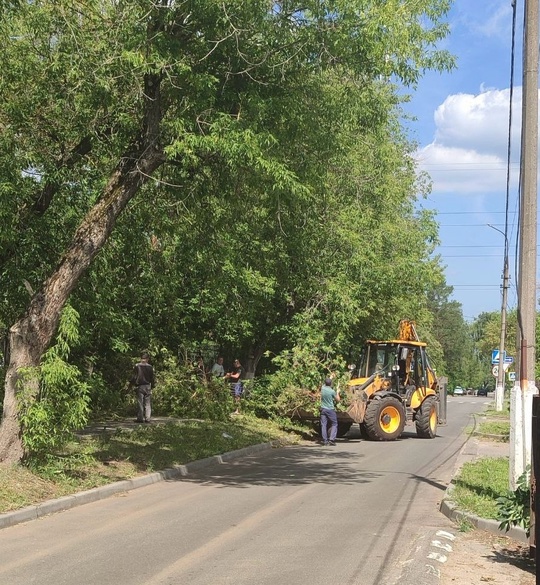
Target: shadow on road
[[289, 466]]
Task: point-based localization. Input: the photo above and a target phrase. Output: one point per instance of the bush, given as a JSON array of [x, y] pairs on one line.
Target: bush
[[106, 399], [514, 508], [300, 373], [181, 393], [53, 399], [266, 398]]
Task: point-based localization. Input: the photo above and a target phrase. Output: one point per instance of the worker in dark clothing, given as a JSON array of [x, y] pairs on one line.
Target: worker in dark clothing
[[235, 377], [144, 380]]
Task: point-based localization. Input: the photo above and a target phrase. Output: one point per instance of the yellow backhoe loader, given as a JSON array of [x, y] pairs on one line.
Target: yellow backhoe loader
[[394, 384]]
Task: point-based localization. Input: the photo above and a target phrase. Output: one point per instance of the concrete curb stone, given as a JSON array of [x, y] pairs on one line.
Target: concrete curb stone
[[472, 451], [106, 491]]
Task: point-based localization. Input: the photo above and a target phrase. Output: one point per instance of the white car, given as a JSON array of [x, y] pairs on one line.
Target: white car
[[458, 391]]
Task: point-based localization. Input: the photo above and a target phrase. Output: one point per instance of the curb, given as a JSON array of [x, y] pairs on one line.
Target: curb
[[450, 510], [67, 502]]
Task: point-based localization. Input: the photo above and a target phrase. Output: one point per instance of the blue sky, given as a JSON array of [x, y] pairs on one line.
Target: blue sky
[[462, 135]]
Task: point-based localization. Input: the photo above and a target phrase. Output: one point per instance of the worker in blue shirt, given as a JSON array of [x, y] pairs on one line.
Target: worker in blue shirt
[[329, 399]]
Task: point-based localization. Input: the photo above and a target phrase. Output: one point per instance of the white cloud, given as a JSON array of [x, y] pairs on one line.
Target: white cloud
[[478, 122], [461, 170], [469, 150]]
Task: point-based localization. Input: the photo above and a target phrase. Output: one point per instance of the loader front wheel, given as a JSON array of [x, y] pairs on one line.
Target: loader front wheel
[[384, 419], [342, 429], [426, 419], [363, 431]]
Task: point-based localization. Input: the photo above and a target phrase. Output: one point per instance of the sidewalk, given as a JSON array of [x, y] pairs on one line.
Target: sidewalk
[[485, 554]]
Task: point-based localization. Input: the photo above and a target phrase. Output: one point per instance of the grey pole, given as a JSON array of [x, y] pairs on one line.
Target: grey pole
[[499, 392], [521, 397], [501, 374]]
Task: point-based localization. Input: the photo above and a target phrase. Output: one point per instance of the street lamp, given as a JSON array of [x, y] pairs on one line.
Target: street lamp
[[499, 389]]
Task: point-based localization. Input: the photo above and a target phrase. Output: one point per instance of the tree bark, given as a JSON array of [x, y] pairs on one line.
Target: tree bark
[[31, 335], [255, 354]]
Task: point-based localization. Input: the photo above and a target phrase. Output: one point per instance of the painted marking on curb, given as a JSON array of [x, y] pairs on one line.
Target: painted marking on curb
[[435, 556], [431, 570], [443, 545], [444, 534]]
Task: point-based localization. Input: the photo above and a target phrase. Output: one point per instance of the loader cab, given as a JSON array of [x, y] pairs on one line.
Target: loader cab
[[377, 358], [404, 364]]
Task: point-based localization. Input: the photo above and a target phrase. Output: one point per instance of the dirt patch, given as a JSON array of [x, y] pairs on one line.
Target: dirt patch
[[481, 557]]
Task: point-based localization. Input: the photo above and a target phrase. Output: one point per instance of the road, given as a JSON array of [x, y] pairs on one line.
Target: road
[[360, 513]]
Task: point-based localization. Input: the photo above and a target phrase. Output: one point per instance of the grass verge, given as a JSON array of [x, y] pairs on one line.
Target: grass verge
[[107, 458], [479, 484], [500, 428]]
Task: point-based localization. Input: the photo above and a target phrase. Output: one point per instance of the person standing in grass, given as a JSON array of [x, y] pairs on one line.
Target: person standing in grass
[[235, 377], [329, 398], [144, 380]]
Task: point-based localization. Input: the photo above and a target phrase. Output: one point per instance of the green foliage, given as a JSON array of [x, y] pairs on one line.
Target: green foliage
[[479, 484], [491, 427], [515, 507], [181, 393], [107, 398], [302, 368], [263, 397], [62, 403], [274, 397], [244, 237], [465, 525]]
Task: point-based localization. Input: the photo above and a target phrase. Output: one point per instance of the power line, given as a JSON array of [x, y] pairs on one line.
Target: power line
[[468, 224], [469, 212], [463, 246]]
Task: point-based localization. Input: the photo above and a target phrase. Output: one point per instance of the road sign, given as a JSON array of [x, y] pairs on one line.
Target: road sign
[[512, 376], [495, 371], [496, 357]]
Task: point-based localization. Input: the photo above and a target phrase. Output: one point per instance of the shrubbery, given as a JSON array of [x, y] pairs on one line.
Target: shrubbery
[[181, 393], [53, 399], [515, 507]]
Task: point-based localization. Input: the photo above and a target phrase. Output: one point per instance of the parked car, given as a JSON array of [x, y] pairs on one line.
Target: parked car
[[458, 391], [482, 392]]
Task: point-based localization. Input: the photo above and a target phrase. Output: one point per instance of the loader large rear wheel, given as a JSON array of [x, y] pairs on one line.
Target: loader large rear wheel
[[426, 419], [384, 419]]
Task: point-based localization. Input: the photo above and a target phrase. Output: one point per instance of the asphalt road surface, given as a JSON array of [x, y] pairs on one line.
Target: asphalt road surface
[[360, 513]]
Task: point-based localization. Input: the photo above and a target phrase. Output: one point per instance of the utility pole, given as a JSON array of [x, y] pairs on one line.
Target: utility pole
[[524, 389], [501, 374]]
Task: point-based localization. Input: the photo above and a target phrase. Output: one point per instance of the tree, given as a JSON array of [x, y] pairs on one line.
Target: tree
[[121, 90], [452, 332]]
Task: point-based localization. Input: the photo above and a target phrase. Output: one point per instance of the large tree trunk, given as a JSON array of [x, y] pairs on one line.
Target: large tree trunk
[[31, 335], [255, 354]]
